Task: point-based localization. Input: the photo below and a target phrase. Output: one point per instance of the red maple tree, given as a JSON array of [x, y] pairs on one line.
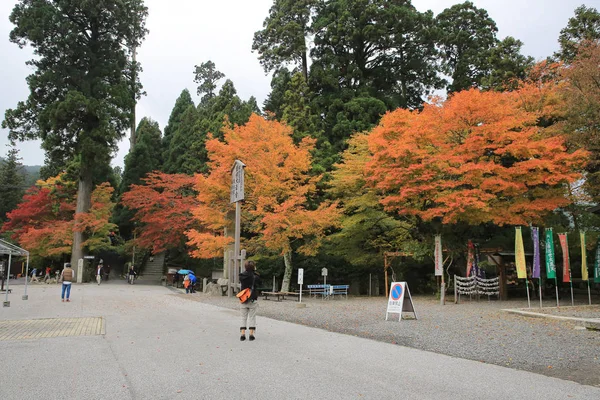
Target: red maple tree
[[163, 205]]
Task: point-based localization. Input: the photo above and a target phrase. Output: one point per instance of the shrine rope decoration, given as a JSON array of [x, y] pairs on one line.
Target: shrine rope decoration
[[474, 285]]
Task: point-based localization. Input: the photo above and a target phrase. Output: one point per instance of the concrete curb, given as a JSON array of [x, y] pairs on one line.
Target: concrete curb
[[589, 323]]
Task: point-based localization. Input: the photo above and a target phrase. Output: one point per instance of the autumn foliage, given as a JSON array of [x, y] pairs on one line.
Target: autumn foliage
[[162, 205], [278, 185], [477, 157], [45, 220]]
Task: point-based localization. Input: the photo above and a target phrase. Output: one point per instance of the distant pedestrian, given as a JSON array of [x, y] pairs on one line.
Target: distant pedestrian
[[193, 281], [131, 274], [99, 273], [249, 279], [34, 276], [66, 277], [47, 277], [186, 283]]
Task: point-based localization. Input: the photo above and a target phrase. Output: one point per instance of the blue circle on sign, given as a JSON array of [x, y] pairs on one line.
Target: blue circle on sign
[[396, 292]]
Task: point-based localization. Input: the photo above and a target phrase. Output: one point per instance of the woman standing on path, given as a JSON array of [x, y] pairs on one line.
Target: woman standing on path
[[66, 277], [99, 272], [249, 279]]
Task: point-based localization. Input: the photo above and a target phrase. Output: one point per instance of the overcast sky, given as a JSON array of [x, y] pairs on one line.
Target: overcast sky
[[184, 33]]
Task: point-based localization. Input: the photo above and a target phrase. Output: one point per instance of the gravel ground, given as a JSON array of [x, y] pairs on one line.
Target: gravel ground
[[478, 331], [587, 311]]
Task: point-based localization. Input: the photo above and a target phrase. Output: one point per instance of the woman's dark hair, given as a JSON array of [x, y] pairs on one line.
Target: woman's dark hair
[[250, 265]]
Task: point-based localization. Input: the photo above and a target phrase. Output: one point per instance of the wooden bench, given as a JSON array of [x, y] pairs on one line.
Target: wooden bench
[[280, 295], [341, 290]]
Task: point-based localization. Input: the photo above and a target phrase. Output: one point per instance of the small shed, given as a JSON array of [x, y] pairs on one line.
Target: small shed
[[500, 257], [11, 250]]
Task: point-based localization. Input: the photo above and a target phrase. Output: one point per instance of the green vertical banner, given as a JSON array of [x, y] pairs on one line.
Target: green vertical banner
[[584, 270], [550, 263], [520, 255], [597, 265]]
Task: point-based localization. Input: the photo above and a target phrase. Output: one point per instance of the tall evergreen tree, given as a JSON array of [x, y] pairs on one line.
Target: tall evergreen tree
[[370, 56], [585, 25], [284, 37], [11, 182], [81, 94], [382, 48], [185, 153], [146, 155], [181, 105], [275, 100], [466, 37], [507, 65], [206, 76]]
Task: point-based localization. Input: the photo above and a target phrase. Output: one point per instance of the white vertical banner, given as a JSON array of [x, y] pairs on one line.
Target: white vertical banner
[[439, 268], [300, 282]]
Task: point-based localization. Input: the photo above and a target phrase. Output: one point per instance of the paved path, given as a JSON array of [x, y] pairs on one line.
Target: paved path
[[162, 345]]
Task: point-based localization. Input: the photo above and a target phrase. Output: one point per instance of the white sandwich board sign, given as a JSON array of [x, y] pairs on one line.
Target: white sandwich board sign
[[400, 300]]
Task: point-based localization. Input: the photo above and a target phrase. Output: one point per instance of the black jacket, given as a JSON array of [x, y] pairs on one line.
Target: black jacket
[[246, 279]]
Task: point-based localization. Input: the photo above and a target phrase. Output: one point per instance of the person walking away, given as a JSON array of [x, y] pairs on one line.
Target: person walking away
[[66, 277], [47, 277], [249, 279], [99, 273], [193, 281], [34, 276], [131, 274]]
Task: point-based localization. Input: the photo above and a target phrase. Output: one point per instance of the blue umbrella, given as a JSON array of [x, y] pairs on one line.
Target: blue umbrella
[[184, 271]]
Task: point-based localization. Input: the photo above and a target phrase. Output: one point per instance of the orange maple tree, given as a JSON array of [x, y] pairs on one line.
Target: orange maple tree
[[477, 157], [43, 223], [163, 205], [276, 216]]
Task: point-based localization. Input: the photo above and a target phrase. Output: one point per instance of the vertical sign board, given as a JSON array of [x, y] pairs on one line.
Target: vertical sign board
[[438, 256], [324, 274], [399, 292], [237, 182], [300, 282]]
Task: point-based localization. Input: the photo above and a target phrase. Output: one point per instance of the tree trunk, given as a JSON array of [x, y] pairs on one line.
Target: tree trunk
[[132, 138], [305, 67], [84, 200], [287, 275]]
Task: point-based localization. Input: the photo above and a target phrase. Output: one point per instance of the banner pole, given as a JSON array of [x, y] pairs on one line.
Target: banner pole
[[572, 301], [589, 293], [540, 287], [443, 292], [528, 299], [556, 288]]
